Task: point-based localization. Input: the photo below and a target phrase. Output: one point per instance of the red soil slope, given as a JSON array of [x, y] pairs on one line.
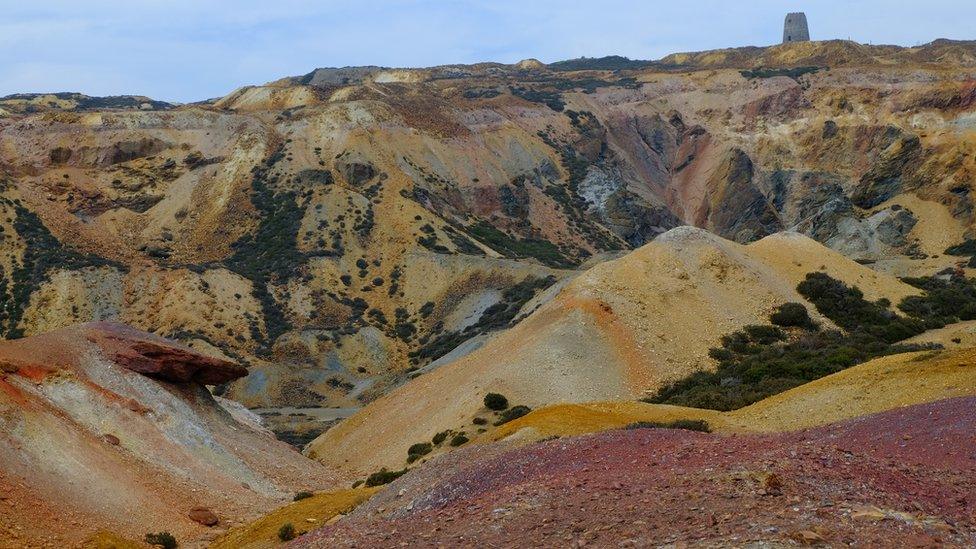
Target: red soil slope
[[106, 427], [905, 478]]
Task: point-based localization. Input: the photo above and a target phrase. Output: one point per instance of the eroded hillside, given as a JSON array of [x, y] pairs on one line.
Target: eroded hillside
[[339, 232]]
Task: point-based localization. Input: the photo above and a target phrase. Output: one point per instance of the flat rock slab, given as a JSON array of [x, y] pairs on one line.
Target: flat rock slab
[[158, 357]]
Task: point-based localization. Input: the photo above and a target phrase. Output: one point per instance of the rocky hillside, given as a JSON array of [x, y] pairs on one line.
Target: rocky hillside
[[619, 331], [106, 427], [904, 475], [338, 232]]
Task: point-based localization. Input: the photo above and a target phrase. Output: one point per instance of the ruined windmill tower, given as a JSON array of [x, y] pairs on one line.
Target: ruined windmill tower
[[795, 29]]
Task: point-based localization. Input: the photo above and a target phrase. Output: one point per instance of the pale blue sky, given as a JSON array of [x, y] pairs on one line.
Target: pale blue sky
[[187, 50]]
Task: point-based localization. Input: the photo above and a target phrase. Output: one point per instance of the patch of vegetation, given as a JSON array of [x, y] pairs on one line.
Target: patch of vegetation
[[270, 255], [760, 361], [543, 250], [551, 99], [946, 300], [383, 476], [302, 495], [43, 253], [459, 439], [495, 401], [699, 425], [162, 539], [792, 315], [608, 63], [287, 532], [511, 414], [793, 73], [418, 451], [966, 249], [440, 437], [849, 310]]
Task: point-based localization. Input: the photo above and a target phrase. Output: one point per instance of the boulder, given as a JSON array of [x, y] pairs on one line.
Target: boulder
[[204, 516], [158, 357]]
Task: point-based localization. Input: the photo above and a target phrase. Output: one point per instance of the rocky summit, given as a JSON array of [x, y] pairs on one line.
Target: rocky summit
[[724, 298]]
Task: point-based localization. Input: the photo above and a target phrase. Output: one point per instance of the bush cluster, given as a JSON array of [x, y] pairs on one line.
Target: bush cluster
[[699, 425], [760, 361], [495, 401], [162, 539]]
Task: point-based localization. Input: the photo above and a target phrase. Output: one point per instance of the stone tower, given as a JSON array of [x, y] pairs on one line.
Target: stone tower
[[795, 29]]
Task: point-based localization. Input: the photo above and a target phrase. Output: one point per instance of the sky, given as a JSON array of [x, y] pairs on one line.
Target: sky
[[190, 50]]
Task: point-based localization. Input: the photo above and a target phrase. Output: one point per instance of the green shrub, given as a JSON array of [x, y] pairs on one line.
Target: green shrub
[[383, 476], [684, 424], [302, 495], [791, 315], [479, 421], [793, 73], [764, 335], [495, 401], [162, 539], [440, 437], [761, 361], [944, 301], [418, 451], [459, 439], [286, 532], [849, 310], [967, 248], [512, 413]]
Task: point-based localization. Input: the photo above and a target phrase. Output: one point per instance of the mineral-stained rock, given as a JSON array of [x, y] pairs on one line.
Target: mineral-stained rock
[[158, 357], [204, 516]]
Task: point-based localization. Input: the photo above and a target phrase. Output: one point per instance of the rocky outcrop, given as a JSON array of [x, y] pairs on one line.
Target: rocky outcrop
[[887, 177], [735, 208], [158, 357]]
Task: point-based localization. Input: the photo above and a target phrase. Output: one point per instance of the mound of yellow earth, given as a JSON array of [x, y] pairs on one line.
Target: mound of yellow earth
[[621, 329], [876, 386], [305, 515]]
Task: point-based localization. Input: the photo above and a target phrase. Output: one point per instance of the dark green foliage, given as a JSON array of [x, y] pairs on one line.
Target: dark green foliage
[[849, 310], [302, 495], [43, 253], [440, 437], [512, 413], [699, 425], [765, 335], [793, 73], [608, 63], [162, 539], [945, 301], [551, 99], [383, 476], [495, 401], [543, 250], [761, 361], [271, 254], [792, 315], [418, 451], [287, 532], [459, 440], [966, 249], [479, 421]]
